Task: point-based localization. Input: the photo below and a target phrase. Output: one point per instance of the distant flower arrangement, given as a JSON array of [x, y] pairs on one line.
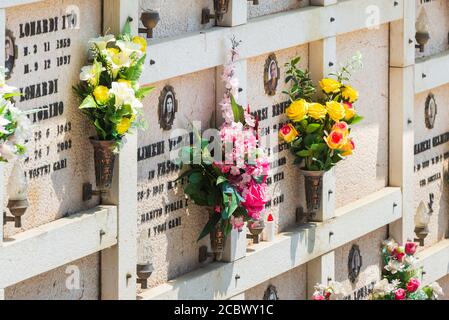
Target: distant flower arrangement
[[14, 124], [319, 131], [109, 90], [402, 280], [332, 291]]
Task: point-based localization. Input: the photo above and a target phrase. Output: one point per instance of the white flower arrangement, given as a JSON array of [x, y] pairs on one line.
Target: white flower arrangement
[[14, 124]]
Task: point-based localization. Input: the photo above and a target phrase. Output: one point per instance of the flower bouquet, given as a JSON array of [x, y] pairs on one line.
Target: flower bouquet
[[111, 96], [230, 179], [14, 124], [330, 292], [319, 130], [401, 279]]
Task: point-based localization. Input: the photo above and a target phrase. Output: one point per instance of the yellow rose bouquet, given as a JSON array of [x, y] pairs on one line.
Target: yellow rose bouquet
[[319, 130], [109, 91]]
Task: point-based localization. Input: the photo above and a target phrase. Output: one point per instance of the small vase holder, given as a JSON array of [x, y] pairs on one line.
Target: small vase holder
[[104, 159], [319, 194]]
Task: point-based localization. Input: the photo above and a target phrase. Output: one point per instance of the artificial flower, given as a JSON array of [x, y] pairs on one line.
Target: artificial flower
[[336, 110], [413, 285], [394, 266], [288, 133], [349, 94], [348, 148], [254, 199], [342, 127], [101, 94], [318, 297], [349, 111], [142, 42], [102, 42], [410, 248], [399, 294], [238, 223], [297, 111], [130, 48], [317, 111], [335, 140], [92, 73], [330, 85], [123, 126]]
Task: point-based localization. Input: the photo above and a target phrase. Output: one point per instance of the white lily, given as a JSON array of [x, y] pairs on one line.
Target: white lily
[[124, 95], [394, 266], [129, 48], [102, 42], [91, 73]]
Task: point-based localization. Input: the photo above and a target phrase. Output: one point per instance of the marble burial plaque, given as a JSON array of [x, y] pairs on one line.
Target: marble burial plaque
[[46, 47], [284, 179], [430, 165], [169, 224]]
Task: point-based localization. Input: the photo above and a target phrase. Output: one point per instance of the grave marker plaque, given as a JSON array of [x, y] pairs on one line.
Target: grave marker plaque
[[46, 46]]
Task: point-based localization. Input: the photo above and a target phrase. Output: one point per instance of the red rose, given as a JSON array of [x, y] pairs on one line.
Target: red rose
[[413, 285], [399, 294], [410, 248]]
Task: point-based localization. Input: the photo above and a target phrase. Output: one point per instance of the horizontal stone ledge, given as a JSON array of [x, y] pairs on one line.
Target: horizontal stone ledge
[[289, 250], [14, 3], [57, 243], [435, 261], [197, 51], [431, 72]]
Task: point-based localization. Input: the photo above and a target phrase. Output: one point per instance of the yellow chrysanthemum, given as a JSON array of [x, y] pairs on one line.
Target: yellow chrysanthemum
[[123, 126], [297, 110], [317, 111], [350, 94], [336, 110], [142, 42], [330, 85], [101, 94]]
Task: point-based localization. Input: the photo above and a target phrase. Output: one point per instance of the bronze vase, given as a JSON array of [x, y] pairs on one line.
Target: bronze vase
[[313, 183], [217, 242], [104, 159]]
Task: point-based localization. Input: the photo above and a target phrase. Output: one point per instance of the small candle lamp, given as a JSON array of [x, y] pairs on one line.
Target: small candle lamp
[[422, 220], [17, 193], [422, 31]]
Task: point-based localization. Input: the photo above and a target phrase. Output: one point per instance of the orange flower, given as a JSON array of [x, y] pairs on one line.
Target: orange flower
[[336, 139], [349, 111], [348, 148], [288, 133]]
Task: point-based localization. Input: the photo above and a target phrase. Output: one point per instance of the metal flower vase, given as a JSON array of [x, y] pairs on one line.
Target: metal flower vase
[[319, 194], [104, 159]]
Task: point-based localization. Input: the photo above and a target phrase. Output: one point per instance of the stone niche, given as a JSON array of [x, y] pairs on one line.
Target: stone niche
[[438, 16], [431, 154], [370, 159], [290, 285], [46, 52], [176, 17], [266, 7], [371, 269], [169, 225], [284, 177]]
